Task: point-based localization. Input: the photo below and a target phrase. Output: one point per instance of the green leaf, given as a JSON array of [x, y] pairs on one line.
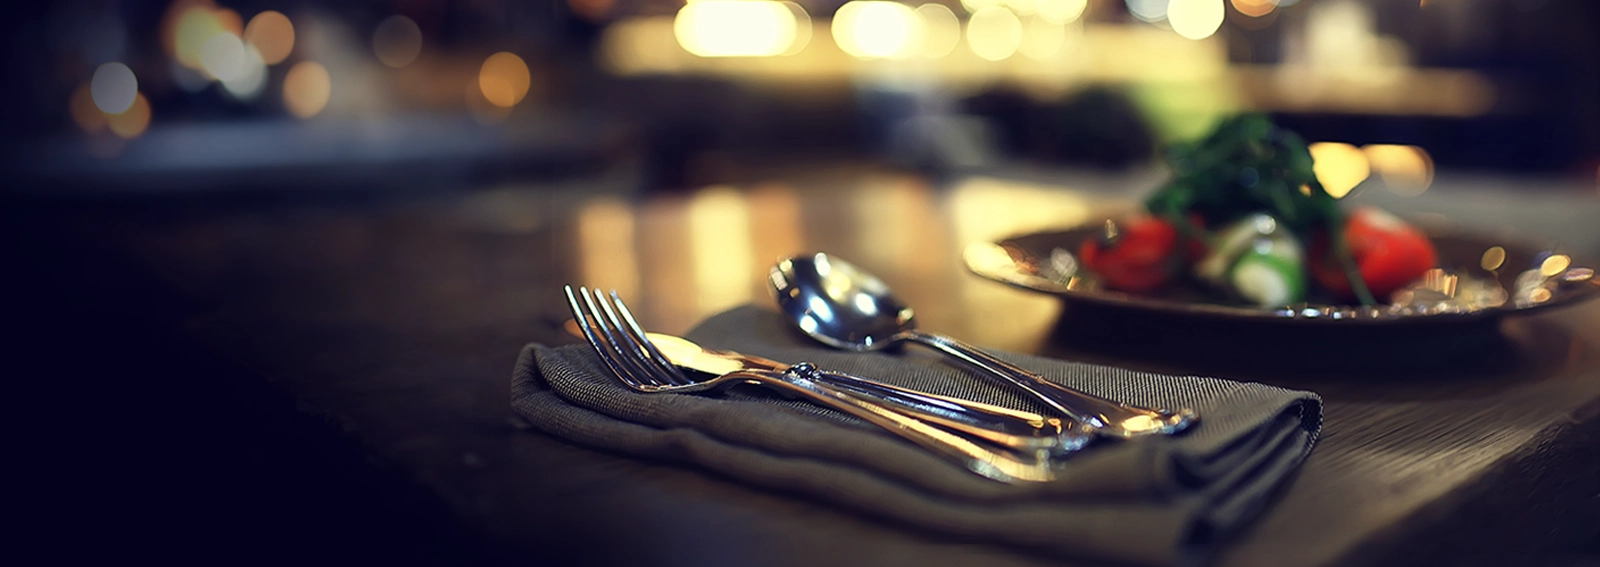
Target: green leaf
[[1206, 180]]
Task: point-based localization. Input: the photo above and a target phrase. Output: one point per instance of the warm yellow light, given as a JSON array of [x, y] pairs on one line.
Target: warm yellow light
[[1022, 7], [272, 34], [1493, 258], [732, 28], [994, 33], [223, 56], [171, 18], [230, 21], [941, 30], [1339, 166], [973, 6], [721, 254], [1407, 170], [877, 30], [1195, 19], [1042, 39], [131, 123], [196, 25], [113, 88], [607, 246], [306, 89], [1555, 265], [1255, 8], [1061, 11], [802, 28], [504, 79], [397, 41], [84, 112]]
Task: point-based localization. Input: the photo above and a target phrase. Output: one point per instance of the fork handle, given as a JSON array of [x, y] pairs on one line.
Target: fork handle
[[1107, 417], [1013, 429], [996, 465]]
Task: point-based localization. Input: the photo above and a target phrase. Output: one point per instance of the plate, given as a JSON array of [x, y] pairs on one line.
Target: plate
[[1479, 278]]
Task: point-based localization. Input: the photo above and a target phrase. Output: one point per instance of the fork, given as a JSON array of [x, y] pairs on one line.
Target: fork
[[629, 354]]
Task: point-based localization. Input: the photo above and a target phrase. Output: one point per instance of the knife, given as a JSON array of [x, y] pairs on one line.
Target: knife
[[1020, 430]]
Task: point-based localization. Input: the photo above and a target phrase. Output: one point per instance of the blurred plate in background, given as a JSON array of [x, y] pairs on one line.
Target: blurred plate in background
[[1481, 278]]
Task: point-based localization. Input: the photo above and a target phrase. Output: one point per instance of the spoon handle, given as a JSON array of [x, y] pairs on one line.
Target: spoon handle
[[1106, 417], [1016, 430], [1001, 465]]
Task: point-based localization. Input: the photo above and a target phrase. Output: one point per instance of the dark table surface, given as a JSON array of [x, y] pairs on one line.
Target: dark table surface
[[359, 349]]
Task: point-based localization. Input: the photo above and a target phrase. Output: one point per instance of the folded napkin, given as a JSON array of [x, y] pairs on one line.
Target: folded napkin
[[1149, 501]]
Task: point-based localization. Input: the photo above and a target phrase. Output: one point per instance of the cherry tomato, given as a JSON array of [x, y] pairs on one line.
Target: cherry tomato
[[1138, 259], [1388, 252]]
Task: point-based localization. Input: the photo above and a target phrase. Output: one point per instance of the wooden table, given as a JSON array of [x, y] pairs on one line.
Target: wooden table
[[382, 331]]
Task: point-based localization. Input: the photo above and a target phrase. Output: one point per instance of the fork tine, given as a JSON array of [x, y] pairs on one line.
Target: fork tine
[[626, 354], [586, 324], [632, 331], [656, 370]]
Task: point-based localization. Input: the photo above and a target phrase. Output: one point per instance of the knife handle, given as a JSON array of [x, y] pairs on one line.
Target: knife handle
[[1013, 429]]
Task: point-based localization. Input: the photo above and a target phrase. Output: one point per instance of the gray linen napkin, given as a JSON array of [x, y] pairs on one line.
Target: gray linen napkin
[[1150, 501]]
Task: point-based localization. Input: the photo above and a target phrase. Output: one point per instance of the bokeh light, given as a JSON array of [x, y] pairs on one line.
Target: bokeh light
[[1340, 167], [248, 83], [1255, 8], [1493, 258], [272, 34], [397, 41], [728, 28], [130, 124], [229, 20], [306, 89], [223, 57], [504, 79], [1555, 265], [802, 28], [1042, 40], [1406, 170], [1061, 11], [113, 88], [1195, 19], [972, 6], [877, 30], [994, 33], [1148, 10], [195, 26], [941, 30], [84, 112]]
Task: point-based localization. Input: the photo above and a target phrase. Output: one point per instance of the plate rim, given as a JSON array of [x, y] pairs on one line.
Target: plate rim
[[1116, 298]]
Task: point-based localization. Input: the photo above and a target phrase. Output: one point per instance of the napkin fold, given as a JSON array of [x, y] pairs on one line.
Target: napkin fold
[[1147, 501]]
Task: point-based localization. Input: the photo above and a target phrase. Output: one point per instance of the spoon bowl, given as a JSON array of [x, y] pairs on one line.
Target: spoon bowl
[[840, 305]]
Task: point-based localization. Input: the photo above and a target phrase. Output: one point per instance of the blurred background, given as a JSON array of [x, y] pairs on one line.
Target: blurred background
[[300, 185], [280, 95]]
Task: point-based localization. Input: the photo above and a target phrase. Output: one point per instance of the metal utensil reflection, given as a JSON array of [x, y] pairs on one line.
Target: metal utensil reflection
[[1014, 429], [635, 361], [842, 306]]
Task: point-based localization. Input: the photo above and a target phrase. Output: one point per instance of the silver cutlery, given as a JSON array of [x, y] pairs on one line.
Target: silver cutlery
[[630, 355], [1013, 429], [844, 307]]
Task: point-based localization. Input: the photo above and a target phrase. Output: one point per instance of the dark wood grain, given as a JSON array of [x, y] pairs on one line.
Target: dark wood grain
[[402, 321]]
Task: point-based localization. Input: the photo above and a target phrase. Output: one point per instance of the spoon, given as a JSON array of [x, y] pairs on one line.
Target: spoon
[[844, 307]]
